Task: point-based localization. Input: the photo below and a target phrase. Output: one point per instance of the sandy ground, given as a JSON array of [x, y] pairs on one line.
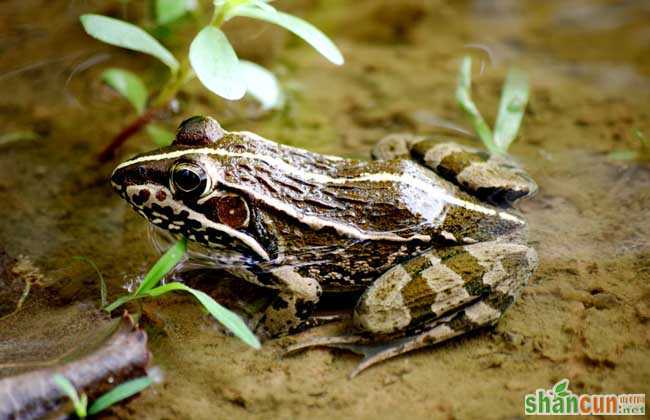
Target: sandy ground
[[583, 317]]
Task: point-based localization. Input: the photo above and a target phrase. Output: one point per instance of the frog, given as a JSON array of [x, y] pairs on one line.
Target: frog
[[425, 234]]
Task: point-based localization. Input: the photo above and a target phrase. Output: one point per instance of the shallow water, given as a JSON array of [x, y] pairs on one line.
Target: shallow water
[[584, 315]]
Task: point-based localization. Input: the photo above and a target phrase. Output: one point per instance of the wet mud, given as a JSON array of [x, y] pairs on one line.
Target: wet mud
[[584, 315]]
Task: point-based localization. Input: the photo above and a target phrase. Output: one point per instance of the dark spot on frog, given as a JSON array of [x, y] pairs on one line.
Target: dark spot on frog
[[303, 309], [142, 196], [161, 195], [279, 303]]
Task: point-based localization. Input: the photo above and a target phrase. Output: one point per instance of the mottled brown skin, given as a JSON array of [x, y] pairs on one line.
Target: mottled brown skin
[[304, 224]]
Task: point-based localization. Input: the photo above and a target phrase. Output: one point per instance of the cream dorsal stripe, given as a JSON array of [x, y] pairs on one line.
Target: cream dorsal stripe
[[325, 179]]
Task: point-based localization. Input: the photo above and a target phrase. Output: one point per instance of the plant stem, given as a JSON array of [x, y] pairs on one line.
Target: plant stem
[[109, 151], [169, 91], [159, 104]]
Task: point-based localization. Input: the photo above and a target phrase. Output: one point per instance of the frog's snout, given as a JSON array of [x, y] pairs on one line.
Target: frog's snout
[[118, 179]]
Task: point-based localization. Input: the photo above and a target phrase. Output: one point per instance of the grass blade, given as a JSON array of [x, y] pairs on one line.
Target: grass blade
[[464, 98], [514, 98], [164, 265], [119, 393], [14, 136], [262, 85], [216, 65], [126, 35], [129, 86], [305, 30], [159, 135], [121, 301], [103, 292], [66, 386], [228, 318]]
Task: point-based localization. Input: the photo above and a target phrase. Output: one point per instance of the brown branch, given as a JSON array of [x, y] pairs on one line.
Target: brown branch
[[138, 124]]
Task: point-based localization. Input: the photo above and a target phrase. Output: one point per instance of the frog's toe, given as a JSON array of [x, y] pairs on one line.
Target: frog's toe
[[341, 341], [372, 352], [394, 146]]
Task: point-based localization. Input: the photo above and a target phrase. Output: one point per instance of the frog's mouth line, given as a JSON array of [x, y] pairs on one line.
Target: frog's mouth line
[[156, 204]]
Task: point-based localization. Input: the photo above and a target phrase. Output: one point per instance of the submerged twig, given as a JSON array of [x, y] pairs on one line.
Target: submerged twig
[[35, 394], [130, 130]]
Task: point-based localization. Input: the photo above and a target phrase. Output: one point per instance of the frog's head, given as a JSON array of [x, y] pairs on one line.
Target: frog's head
[[177, 188]]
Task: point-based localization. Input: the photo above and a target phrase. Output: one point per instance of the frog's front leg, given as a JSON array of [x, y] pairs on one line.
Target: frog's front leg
[[291, 309], [434, 297], [493, 178]]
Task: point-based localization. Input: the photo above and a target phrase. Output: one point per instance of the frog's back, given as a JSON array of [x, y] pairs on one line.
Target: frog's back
[[396, 200]]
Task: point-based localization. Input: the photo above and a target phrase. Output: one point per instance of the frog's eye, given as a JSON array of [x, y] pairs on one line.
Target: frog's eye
[[189, 179], [232, 210]]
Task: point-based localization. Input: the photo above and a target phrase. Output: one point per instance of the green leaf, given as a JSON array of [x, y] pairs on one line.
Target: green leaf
[[121, 301], [14, 136], [263, 4], [216, 65], [514, 98], [305, 30], [126, 35], [119, 393], [464, 98], [228, 318], [164, 265], [262, 85], [624, 155], [66, 386], [128, 85], [159, 135], [168, 11]]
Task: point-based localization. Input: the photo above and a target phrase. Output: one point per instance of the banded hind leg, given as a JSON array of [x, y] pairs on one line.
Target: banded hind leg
[[434, 297], [495, 179]]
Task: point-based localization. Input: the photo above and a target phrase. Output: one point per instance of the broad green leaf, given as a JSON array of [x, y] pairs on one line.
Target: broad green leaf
[[159, 135], [262, 85], [216, 65], [263, 4], [305, 30], [128, 85], [228, 318], [464, 98], [164, 265], [66, 386], [126, 35], [514, 98], [119, 393], [168, 11]]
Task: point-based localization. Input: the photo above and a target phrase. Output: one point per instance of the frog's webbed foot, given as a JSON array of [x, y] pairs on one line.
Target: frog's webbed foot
[[495, 179], [375, 352]]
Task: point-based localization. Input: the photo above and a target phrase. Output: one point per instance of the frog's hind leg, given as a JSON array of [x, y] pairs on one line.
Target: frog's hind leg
[[496, 179], [433, 298]]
